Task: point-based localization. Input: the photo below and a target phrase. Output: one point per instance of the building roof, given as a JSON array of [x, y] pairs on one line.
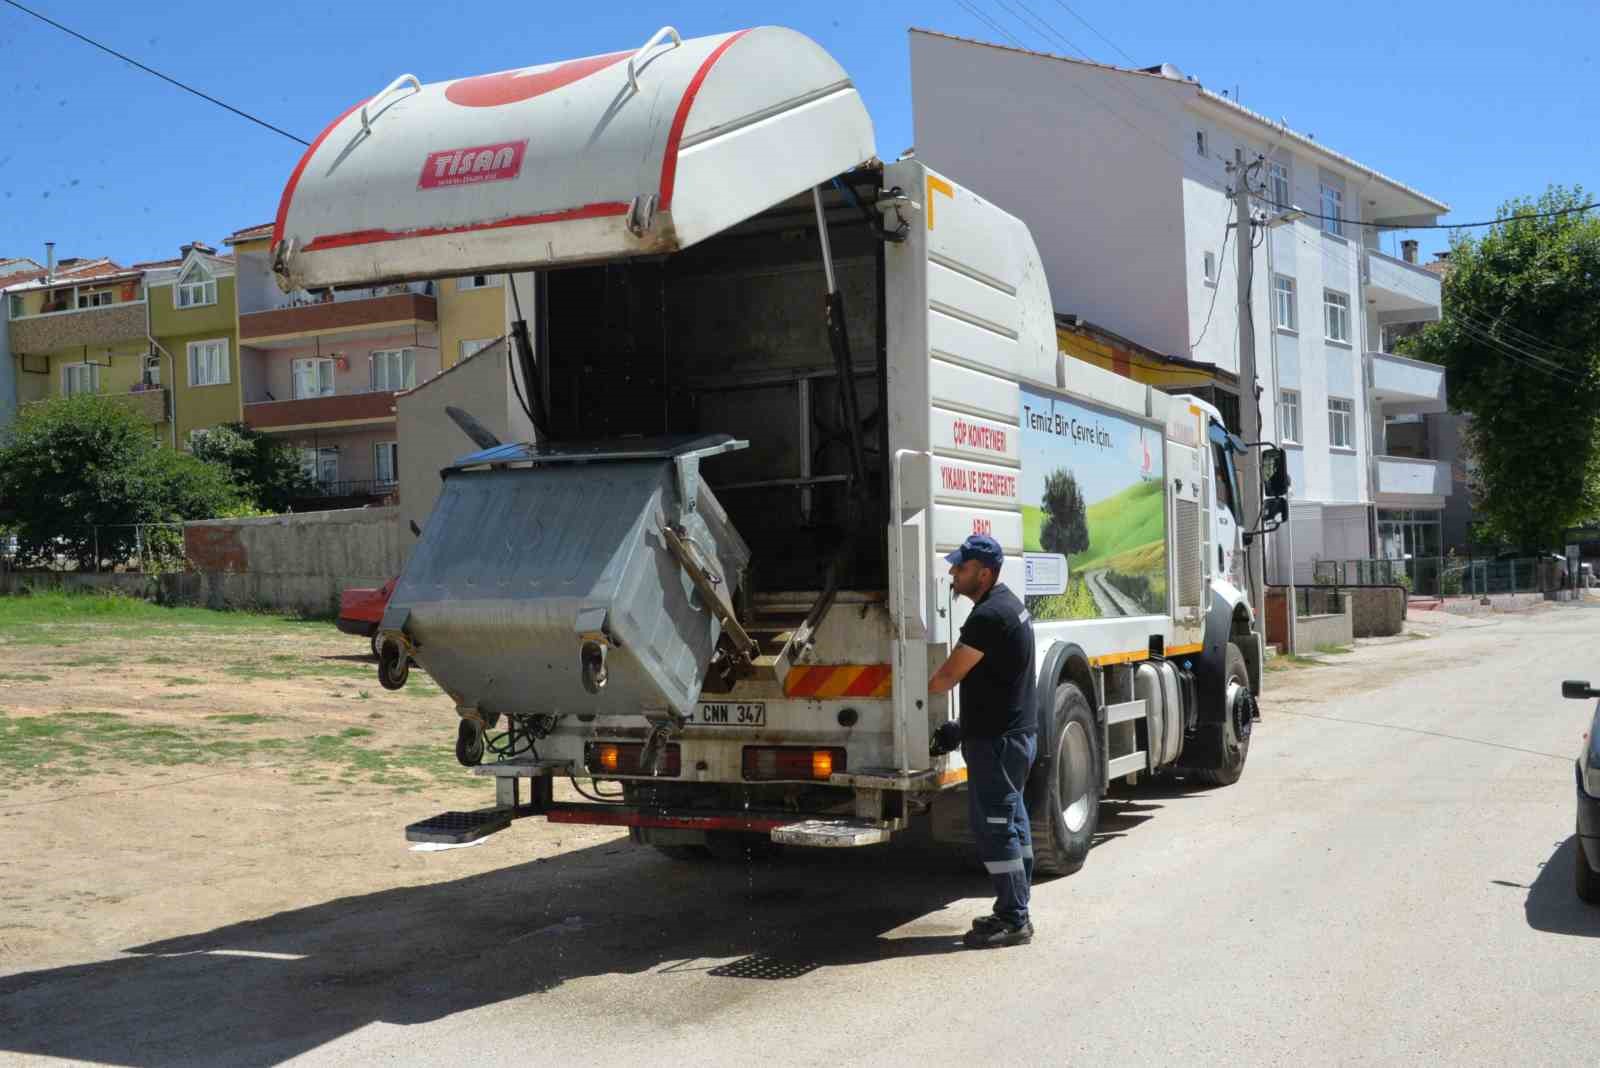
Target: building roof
[[249, 233], [76, 272], [1168, 73]]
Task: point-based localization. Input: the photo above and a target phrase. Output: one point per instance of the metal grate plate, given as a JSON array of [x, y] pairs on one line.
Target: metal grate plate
[[453, 828]]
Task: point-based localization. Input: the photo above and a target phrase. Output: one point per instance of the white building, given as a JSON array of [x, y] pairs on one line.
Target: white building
[[1120, 174]]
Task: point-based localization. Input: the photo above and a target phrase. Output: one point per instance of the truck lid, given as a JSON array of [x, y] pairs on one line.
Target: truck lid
[[636, 152]]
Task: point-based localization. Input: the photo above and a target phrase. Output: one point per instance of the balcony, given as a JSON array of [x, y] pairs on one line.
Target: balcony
[[340, 409], [373, 315], [1397, 291], [151, 403], [1404, 482], [109, 324], [1402, 386]]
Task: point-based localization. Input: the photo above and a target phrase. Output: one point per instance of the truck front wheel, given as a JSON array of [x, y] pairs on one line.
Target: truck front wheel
[[1237, 719], [1063, 832]]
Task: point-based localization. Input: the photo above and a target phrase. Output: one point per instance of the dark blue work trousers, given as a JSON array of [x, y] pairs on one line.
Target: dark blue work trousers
[[997, 769]]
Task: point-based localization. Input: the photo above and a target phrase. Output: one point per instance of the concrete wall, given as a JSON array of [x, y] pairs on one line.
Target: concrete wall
[[1329, 629], [289, 563], [1377, 613]]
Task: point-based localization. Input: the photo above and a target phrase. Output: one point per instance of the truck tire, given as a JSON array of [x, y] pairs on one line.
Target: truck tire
[[1585, 879], [1237, 720], [1065, 829]]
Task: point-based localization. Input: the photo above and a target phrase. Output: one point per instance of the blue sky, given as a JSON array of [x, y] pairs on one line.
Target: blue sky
[[1466, 101]]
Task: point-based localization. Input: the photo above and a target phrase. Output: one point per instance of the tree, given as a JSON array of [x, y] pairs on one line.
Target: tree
[[1520, 345], [266, 469], [70, 465], [1066, 520]]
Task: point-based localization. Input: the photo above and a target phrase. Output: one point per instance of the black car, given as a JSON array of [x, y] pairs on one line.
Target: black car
[[1587, 861]]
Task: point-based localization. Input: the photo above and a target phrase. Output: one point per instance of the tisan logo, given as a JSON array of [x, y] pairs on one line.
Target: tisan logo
[[468, 166]]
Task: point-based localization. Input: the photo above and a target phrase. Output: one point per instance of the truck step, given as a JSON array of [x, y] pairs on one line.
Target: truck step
[[454, 828], [833, 834]]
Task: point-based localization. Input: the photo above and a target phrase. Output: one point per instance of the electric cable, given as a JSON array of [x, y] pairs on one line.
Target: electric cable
[[1227, 232], [1431, 226], [151, 70], [1062, 4]]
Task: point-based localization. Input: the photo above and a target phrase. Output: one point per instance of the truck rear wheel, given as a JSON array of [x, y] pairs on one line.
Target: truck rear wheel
[[1585, 879], [1237, 719], [1065, 830]]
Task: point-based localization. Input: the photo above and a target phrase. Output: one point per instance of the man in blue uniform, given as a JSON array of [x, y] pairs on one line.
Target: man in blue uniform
[[994, 666]]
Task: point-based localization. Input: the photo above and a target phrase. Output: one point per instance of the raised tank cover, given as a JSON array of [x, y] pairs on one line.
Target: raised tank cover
[[636, 152]]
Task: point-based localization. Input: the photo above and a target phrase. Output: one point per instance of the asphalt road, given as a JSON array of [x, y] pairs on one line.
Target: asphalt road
[[1390, 880]]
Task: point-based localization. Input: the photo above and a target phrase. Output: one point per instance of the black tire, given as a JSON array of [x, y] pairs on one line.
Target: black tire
[[469, 744], [393, 667], [1586, 881], [1064, 831], [1237, 721], [377, 653], [687, 854]]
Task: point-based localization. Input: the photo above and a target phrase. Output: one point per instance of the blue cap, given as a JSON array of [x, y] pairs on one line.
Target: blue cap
[[982, 548]]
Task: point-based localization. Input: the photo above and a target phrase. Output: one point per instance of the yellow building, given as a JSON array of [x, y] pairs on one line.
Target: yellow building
[[81, 327], [194, 324], [1083, 340], [472, 314]]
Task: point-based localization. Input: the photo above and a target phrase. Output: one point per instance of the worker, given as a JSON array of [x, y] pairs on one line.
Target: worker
[[994, 665]]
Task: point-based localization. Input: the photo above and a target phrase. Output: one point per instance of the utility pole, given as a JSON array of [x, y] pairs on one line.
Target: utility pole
[[1249, 412]]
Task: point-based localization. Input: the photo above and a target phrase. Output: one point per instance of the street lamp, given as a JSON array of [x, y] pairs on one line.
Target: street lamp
[[1287, 215]]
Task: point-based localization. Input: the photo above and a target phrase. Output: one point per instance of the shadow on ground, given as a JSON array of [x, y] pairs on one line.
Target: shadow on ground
[[1553, 904]]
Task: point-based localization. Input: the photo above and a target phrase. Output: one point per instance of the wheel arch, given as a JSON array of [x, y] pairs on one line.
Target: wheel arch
[[1063, 662]]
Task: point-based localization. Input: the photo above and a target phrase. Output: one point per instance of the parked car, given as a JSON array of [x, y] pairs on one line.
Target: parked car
[[361, 610], [1587, 861]]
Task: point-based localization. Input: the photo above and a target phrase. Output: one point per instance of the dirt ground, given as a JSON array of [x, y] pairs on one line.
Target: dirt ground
[[165, 771], [170, 771]]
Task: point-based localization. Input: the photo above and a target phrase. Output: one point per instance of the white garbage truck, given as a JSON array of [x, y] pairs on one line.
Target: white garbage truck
[[773, 380]]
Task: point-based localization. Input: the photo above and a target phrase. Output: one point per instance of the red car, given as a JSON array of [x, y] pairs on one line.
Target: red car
[[361, 610]]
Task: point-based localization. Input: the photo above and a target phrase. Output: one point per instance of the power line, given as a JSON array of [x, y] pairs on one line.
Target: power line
[[152, 70], [992, 24], [1519, 346], [1498, 346], [1216, 287], [1097, 33], [1425, 226]]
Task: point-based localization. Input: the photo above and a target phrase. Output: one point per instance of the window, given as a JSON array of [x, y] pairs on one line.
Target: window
[[475, 345], [386, 460], [1341, 422], [195, 289], [394, 369], [476, 281], [313, 378], [1336, 316], [1289, 415], [1210, 267], [16, 305], [208, 363], [80, 378], [1284, 310], [1200, 144], [1278, 187], [94, 300], [320, 465], [1332, 210]]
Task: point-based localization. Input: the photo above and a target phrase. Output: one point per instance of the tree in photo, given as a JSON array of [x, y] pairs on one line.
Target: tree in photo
[[266, 469], [80, 475], [1520, 344], [1066, 519]]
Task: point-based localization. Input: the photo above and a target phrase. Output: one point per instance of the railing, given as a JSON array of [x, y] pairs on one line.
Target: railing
[[305, 300], [355, 487], [1446, 576]]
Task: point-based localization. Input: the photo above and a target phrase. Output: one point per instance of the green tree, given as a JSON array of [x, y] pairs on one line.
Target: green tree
[[1066, 519], [1520, 344], [266, 469], [70, 465]]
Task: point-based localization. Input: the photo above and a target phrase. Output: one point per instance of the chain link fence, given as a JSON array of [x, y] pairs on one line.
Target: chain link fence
[[139, 548]]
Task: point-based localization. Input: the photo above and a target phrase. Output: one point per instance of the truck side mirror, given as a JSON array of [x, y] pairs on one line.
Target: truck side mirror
[[1578, 691], [1274, 472]]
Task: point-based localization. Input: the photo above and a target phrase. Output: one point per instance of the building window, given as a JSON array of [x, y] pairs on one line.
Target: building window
[[80, 378], [152, 370], [394, 369], [1341, 422], [313, 378], [476, 281], [320, 465], [1336, 316], [1209, 265], [1278, 187], [1200, 143], [94, 300], [1332, 210], [475, 345], [1284, 309], [1409, 534], [16, 305], [195, 288], [386, 460], [1289, 415], [208, 363]]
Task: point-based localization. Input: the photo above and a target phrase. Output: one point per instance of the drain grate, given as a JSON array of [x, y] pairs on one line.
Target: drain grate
[[761, 966], [453, 828]]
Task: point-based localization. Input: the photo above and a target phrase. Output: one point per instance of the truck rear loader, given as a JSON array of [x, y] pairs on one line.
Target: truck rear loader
[[773, 380]]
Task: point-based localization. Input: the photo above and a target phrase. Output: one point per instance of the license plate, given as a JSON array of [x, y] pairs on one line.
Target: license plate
[[731, 714]]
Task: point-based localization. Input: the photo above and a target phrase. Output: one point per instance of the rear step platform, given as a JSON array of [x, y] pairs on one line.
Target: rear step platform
[[833, 834], [457, 828]]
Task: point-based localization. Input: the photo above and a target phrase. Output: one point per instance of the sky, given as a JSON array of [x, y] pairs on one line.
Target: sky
[[1466, 101]]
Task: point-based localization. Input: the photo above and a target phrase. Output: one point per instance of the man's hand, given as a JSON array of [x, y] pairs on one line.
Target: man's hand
[[963, 658]]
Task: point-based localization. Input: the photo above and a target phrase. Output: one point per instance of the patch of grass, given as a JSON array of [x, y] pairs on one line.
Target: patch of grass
[[185, 680], [58, 606], [363, 695], [162, 660], [1332, 649], [239, 717], [181, 696], [357, 732], [23, 676], [93, 660], [1290, 661]]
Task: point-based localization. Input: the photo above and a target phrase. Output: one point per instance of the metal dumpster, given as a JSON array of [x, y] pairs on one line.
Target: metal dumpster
[[557, 579]]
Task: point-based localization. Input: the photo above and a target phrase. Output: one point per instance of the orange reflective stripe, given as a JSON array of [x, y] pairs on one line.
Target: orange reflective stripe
[[874, 681]]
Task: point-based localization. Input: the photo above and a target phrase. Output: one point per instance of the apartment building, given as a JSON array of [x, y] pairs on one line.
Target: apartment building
[[195, 344], [1121, 176]]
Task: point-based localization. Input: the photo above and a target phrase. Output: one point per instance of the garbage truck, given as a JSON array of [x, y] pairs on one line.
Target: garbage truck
[[773, 380]]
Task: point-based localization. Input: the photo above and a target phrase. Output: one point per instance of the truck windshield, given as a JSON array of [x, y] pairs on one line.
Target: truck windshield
[[1223, 446]]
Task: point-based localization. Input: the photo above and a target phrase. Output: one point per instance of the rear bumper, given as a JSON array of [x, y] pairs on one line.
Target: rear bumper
[[361, 628], [634, 816]]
